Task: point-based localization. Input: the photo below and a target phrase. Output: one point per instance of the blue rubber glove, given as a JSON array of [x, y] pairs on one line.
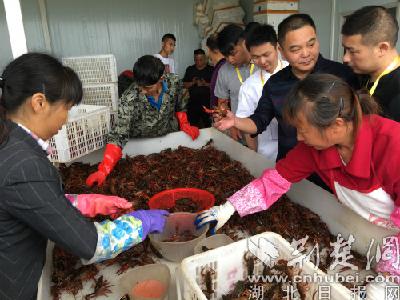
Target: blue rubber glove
[[153, 220], [216, 214]]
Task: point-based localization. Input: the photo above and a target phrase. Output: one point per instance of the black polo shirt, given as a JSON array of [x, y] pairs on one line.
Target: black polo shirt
[[274, 96], [387, 94]]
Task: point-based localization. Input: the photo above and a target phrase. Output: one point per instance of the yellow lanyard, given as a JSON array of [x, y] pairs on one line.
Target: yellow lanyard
[[240, 75], [262, 78], [389, 69], [278, 68]]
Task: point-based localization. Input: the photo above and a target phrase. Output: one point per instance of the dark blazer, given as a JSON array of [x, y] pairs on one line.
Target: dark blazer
[[33, 209]]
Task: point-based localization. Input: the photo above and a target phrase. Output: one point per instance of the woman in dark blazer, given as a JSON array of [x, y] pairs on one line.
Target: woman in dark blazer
[[37, 92]]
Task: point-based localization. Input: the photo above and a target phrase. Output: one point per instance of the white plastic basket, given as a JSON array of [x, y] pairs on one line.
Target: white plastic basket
[[84, 132], [94, 69], [227, 263], [101, 94]]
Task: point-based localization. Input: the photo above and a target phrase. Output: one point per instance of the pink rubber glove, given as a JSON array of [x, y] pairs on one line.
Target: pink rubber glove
[[91, 205]]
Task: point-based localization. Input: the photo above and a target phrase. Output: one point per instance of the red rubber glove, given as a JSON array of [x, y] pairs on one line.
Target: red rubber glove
[[112, 155], [184, 125], [91, 205]]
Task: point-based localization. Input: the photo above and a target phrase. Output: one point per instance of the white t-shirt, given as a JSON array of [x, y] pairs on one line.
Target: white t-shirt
[[168, 62], [249, 95]]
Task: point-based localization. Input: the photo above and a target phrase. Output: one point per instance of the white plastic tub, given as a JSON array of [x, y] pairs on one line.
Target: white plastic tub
[[339, 218]]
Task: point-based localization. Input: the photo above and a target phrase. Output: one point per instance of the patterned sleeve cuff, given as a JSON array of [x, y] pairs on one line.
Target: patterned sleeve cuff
[[395, 216], [114, 237], [260, 194]]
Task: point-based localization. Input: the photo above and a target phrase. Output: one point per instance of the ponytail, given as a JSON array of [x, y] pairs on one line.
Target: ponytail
[[367, 102]]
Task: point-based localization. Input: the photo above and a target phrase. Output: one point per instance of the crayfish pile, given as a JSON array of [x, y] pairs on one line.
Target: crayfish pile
[[139, 178], [244, 289]]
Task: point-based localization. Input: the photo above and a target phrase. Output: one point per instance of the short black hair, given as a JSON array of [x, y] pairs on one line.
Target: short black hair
[[260, 35], [228, 38], [374, 23], [293, 22], [212, 42], [148, 70], [249, 29], [199, 52], [168, 36]]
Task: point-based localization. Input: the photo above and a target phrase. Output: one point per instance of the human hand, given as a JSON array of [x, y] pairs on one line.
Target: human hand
[[224, 123], [219, 214], [153, 220], [96, 177], [91, 205]]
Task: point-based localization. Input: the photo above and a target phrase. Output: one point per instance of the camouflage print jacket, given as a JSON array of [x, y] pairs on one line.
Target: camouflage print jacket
[[138, 118]]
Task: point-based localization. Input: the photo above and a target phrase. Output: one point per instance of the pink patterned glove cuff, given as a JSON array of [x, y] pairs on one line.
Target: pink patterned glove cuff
[[390, 260], [395, 216], [80, 201], [260, 194], [72, 198]]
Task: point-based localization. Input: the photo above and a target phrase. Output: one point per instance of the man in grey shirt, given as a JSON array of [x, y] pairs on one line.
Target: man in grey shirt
[[231, 43]]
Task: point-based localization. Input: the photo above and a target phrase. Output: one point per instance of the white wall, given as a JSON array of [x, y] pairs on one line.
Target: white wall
[[347, 6], [126, 28], [320, 11], [5, 47]]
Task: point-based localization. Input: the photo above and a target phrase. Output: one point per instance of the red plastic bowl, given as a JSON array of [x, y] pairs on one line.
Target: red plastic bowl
[[166, 199]]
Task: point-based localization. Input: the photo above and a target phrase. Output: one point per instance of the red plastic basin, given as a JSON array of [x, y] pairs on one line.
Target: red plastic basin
[[166, 199]]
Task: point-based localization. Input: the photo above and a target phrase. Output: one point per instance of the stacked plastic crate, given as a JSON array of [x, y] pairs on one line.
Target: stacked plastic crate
[[89, 123]]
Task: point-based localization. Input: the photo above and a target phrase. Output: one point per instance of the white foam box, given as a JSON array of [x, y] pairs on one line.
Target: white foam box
[[338, 218], [276, 5], [271, 19]]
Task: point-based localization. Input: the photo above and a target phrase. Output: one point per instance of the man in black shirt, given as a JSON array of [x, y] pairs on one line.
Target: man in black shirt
[[299, 44], [197, 80], [369, 37]]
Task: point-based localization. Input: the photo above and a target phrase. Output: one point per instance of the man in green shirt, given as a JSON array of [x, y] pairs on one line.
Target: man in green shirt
[[150, 107]]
